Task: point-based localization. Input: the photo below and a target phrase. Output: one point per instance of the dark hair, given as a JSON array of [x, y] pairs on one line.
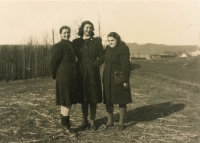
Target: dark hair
[[116, 36], [80, 31], [64, 27]]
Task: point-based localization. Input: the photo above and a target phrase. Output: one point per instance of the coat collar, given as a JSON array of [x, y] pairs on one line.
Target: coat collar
[[91, 38], [69, 44], [86, 37], [110, 51]]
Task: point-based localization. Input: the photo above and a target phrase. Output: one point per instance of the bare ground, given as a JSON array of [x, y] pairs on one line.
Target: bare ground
[[163, 110]]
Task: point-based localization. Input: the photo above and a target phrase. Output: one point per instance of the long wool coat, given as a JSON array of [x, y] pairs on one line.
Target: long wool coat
[[116, 60], [63, 69], [90, 56]]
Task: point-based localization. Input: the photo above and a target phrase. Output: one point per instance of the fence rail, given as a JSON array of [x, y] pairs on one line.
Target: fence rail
[[24, 62]]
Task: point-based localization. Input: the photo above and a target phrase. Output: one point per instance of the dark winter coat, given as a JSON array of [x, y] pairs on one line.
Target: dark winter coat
[[116, 60], [63, 69], [90, 56]]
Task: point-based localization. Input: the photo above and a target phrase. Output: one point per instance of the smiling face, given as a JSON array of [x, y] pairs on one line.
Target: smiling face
[[87, 30], [112, 42], [65, 34]]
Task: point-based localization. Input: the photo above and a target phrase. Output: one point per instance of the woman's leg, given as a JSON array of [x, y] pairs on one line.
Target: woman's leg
[[65, 111], [85, 113], [66, 116], [122, 111], [85, 124], [93, 108], [61, 110], [61, 114], [109, 109]]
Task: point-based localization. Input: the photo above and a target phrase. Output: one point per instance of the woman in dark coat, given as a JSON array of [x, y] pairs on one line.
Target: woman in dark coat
[[116, 78], [64, 71], [89, 51]]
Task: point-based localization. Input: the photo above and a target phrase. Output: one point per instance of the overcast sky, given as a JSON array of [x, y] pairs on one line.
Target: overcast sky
[[163, 22]]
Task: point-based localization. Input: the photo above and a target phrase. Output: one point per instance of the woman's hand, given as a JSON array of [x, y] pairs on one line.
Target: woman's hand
[[126, 85]]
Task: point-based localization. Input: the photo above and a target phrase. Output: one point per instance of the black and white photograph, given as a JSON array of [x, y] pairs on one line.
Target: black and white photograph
[[99, 71]]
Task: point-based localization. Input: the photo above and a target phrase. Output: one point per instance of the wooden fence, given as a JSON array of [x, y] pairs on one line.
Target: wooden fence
[[24, 62]]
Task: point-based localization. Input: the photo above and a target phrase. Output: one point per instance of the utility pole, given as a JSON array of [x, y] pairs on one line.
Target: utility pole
[[99, 26]]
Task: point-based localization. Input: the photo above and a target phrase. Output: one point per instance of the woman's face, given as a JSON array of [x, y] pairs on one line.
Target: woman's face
[[87, 30], [112, 42], [65, 34]]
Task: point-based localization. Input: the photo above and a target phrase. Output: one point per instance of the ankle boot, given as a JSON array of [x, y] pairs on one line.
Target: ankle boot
[[68, 130], [65, 121]]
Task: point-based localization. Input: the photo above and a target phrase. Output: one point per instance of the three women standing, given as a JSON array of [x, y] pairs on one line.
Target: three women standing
[[84, 75]]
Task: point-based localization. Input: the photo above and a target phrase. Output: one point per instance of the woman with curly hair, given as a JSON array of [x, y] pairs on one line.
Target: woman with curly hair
[[89, 52]]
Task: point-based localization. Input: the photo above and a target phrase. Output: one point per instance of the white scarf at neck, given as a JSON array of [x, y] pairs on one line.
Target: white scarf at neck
[[86, 37]]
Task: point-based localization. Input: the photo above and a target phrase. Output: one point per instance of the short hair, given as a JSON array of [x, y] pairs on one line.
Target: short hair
[[81, 32], [116, 36], [64, 27]]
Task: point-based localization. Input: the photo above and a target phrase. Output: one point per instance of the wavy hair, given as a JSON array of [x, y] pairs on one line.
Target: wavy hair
[[117, 37], [81, 28]]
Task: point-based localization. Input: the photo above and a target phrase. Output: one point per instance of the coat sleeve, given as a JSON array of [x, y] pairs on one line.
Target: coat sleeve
[[56, 57], [125, 61], [100, 54], [76, 43]]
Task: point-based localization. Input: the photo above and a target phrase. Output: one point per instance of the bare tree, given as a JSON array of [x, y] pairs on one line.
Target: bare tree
[[31, 40], [55, 36], [46, 38], [77, 24], [100, 27]]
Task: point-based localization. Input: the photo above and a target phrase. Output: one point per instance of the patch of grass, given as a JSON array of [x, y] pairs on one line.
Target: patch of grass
[[186, 69]]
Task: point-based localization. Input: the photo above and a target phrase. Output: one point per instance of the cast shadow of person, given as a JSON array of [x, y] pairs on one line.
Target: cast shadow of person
[[146, 113]]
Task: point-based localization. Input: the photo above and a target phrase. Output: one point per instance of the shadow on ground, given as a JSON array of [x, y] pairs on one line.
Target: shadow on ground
[[135, 66], [146, 113]]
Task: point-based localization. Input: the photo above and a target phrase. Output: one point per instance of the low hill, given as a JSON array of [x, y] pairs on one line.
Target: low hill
[[159, 48]]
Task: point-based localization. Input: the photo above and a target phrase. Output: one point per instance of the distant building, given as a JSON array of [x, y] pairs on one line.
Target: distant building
[[170, 55], [184, 56], [140, 55], [195, 53]]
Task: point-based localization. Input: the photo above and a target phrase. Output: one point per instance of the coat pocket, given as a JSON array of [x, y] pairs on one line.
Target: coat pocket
[[118, 77]]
